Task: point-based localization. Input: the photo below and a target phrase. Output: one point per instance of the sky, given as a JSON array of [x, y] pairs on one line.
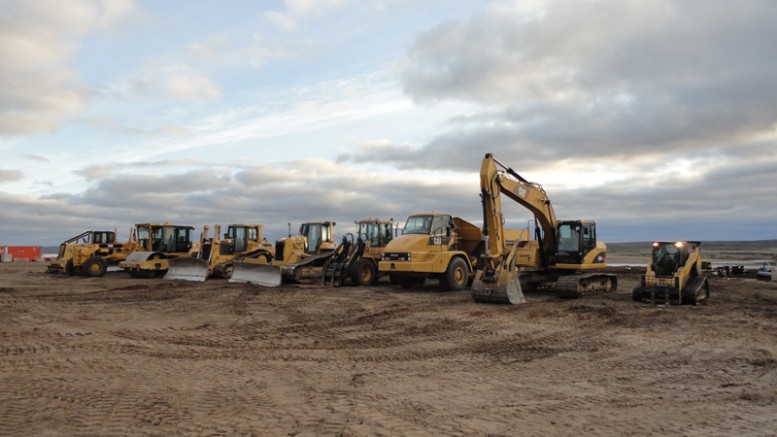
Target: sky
[[657, 119]]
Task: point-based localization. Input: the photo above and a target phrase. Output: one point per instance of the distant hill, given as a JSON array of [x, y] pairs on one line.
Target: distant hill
[[734, 250]]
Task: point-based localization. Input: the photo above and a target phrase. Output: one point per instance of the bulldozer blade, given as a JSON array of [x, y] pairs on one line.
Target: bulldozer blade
[[187, 269], [259, 274], [505, 289]]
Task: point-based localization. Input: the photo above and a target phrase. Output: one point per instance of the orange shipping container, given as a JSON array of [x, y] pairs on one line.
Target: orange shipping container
[[23, 253]]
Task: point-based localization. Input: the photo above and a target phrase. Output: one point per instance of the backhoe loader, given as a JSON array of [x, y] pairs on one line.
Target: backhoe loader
[[433, 246], [91, 253], [297, 258], [158, 244], [562, 255], [216, 256], [674, 275], [358, 258]]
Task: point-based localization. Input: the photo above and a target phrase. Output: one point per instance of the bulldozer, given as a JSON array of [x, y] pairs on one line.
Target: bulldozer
[[674, 275], [158, 243], [298, 258], [90, 254], [563, 256], [433, 246], [357, 259], [216, 256]]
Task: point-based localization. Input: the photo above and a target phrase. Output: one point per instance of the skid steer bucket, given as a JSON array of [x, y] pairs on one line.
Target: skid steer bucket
[[503, 288], [187, 269], [259, 274]]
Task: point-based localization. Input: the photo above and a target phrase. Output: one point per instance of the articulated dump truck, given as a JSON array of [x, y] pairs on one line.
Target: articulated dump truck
[[216, 256], [298, 259]]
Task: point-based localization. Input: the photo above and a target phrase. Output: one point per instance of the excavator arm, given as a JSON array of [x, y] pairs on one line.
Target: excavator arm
[[493, 183]]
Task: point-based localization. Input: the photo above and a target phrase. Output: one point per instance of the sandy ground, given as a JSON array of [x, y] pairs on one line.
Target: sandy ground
[[122, 356]]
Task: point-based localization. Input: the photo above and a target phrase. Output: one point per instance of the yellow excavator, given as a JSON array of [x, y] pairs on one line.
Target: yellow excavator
[[298, 258], [216, 256], [91, 253], [158, 243], [564, 255], [674, 275]]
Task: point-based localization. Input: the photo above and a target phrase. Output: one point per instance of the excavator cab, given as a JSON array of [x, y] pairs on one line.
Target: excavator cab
[[575, 239]]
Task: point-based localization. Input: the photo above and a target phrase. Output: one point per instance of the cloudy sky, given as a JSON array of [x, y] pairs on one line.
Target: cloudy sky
[[657, 119]]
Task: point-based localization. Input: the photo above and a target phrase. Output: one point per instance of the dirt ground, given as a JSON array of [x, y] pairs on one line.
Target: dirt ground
[[123, 356]]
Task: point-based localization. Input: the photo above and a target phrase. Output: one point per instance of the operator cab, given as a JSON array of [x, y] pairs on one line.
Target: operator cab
[[575, 240], [377, 233], [315, 233], [668, 257]]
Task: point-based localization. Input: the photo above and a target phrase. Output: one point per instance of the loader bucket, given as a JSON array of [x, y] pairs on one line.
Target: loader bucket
[[259, 274], [187, 269], [503, 288]]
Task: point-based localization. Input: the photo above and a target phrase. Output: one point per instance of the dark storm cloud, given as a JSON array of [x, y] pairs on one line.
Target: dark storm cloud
[[597, 79]]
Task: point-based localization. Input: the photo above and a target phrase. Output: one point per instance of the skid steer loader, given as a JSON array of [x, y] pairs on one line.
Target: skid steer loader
[[216, 256], [297, 258], [674, 275], [90, 254], [357, 259], [158, 244]]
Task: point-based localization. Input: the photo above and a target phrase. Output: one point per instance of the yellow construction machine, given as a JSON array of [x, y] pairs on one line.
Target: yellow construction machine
[[158, 244], [297, 258], [563, 255], [435, 246], [91, 253], [674, 275], [216, 256], [358, 258]]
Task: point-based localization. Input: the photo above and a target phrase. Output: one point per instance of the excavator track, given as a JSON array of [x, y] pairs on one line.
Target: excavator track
[[579, 285]]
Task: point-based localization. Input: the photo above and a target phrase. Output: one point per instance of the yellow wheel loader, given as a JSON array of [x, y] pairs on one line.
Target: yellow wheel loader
[[216, 256], [297, 258], [91, 253], [435, 246], [674, 275], [358, 259], [564, 255], [158, 244]]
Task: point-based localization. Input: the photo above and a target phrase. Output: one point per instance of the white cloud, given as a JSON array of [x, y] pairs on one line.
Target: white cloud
[[37, 39], [190, 86]]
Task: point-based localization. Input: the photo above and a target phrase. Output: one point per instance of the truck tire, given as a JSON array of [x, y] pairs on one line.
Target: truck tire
[[364, 272], [69, 268], [95, 267], [456, 276]]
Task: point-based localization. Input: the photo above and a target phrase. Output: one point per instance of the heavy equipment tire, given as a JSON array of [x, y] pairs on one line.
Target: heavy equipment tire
[[95, 267], [69, 268], [364, 272], [410, 282], [455, 277]]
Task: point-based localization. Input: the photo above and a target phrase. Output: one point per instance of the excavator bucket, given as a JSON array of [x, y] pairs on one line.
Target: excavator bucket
[[259, 274], [187, 269], [504, 288]]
